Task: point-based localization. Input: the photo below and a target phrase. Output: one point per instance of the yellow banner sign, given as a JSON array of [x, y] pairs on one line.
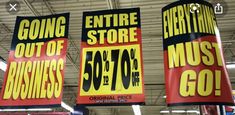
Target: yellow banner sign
[[111, 58]]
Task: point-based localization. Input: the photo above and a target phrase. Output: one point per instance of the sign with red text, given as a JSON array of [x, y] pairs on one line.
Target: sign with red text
[[36, 63], [195, 71], [111, 69]]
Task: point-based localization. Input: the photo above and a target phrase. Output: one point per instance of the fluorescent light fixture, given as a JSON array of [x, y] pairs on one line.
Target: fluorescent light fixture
[[40, 109], [67, 107], [3, 65], [78, 112], [34, 109], [193, 111], [136, 109], [164, 111], [180, 111], [230, 66]]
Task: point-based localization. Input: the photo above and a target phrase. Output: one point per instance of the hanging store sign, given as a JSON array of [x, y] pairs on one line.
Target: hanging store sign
[[111, 69], [36, 62], [195, 71]]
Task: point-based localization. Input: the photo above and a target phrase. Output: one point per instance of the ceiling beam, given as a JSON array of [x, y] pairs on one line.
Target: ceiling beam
[[71, 41], [4, 26], [227, 47], [31, 8], [49, 6], [113, 4]]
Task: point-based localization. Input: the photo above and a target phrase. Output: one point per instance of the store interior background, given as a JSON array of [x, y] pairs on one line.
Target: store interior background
[[151, 25]]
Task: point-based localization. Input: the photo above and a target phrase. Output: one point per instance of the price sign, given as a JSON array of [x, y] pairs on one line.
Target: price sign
[[111, 58]]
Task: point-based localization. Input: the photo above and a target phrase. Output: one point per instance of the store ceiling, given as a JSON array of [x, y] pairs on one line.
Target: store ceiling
[[152, 45]]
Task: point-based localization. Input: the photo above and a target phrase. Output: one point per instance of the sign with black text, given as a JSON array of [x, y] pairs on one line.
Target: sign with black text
[[36, 63], [111, 69]]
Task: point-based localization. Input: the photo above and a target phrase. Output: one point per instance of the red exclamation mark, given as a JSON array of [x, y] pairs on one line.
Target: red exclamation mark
[[217, 83]]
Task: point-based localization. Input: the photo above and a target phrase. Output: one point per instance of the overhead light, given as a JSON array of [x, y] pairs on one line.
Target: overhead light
[[230, 66], [34, 109], [67, 107], [136, 109], [180, 111], [193, 111], [40, 109], [3, 65]]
